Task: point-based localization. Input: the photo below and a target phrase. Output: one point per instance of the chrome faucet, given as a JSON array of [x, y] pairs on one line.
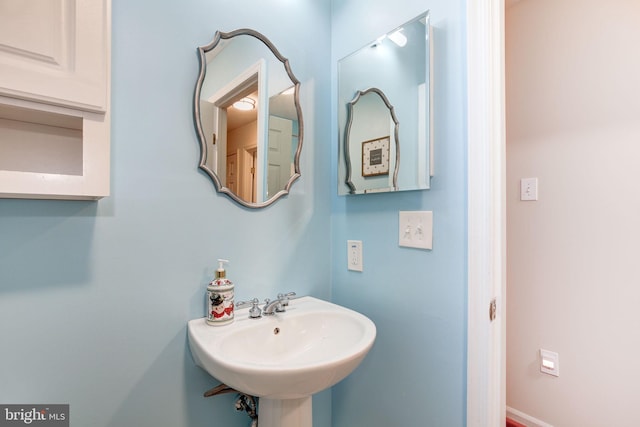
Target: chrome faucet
[[278, 305]]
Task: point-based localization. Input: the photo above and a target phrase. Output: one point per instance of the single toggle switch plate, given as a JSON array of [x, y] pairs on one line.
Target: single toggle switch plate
[[354, 255], [549, 363], [529, 189], [415, 229]]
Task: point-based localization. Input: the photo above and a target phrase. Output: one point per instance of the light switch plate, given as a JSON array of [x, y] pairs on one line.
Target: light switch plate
[[415, 229], [529, 189]]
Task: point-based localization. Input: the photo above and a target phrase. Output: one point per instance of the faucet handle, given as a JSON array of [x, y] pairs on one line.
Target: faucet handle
[[283, 301], [284, 298], [240, 304], [254, 311]]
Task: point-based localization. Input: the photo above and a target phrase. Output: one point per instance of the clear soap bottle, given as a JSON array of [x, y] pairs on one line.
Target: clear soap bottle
[[220, 298]]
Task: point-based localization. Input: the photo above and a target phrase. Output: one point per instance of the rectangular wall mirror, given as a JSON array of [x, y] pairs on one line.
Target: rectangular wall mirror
[[384, 113]]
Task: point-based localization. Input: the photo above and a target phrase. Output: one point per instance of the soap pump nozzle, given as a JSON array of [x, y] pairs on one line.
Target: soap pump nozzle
[[220, 272]]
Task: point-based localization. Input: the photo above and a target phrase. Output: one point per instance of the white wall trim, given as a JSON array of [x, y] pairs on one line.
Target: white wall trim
[[525, 419], [486, 389]]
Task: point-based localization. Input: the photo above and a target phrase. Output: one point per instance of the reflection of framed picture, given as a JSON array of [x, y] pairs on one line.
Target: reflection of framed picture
[[375, 157]]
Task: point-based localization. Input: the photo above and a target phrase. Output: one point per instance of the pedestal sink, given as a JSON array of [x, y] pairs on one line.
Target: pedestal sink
[[284, 358]]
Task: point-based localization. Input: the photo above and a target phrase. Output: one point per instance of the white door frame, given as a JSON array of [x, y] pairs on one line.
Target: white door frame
[[486, 378]]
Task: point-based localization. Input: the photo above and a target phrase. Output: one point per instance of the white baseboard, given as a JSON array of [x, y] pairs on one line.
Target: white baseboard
[[525, 419]]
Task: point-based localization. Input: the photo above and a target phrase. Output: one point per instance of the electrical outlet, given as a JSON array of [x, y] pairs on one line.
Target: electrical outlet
[[354, 255], [415, 229]]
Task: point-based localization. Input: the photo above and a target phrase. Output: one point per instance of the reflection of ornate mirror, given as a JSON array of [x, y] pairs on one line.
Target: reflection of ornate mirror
[[248, 118], [371, 137], [397, 65]]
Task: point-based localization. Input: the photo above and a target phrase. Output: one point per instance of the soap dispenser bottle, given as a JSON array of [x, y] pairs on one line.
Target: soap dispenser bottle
[[220, 298]]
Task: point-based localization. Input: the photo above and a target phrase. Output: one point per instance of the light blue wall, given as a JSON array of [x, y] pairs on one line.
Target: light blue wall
[[415, 373], [95, 296]]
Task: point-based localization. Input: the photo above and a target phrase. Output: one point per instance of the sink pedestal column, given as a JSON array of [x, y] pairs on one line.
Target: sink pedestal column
[[285, 413]]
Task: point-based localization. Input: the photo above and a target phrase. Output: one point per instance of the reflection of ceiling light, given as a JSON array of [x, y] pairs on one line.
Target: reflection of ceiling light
[[245, 104], [398, 38], [378, 41], [289, 91]]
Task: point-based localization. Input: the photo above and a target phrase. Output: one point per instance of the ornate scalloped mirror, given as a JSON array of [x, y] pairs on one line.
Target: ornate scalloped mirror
[[248, 118]]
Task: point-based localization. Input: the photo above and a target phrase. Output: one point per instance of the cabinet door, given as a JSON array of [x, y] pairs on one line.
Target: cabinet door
[[53, 51]]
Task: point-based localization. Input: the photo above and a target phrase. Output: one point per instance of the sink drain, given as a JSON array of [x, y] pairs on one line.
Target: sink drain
[[276, 331]]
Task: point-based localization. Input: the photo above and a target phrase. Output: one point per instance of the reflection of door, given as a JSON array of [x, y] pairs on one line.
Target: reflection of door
[[207, 117], [232, 172], [241, 176], [279, 155], [254, 174]]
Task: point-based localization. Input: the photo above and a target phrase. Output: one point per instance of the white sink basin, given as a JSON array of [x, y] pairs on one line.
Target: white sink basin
[[291, 355]]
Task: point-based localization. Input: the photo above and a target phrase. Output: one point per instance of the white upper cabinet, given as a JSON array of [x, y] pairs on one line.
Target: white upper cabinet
[[53, 51], [55, 71]]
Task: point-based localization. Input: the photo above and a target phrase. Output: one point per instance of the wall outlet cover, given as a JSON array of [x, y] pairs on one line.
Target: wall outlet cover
[[354, 255], [549, 363]]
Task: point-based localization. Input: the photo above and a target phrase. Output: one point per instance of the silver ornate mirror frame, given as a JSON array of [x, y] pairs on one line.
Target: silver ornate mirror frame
[[350, 115], [202, 52]]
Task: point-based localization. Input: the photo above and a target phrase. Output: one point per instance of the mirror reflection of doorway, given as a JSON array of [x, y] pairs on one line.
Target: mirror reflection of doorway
[[242, 153], [231, 115]]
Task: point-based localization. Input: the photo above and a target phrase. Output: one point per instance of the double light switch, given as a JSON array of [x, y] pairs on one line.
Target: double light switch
[[415, 229]]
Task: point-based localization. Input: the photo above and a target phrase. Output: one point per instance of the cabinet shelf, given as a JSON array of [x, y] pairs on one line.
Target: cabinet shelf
[[50, 152]]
